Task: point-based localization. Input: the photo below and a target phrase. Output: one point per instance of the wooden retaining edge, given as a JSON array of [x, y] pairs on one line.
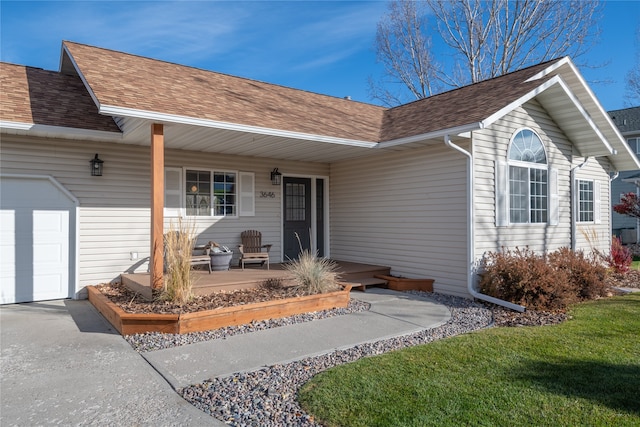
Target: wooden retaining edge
[[131, 323], [405, 284]]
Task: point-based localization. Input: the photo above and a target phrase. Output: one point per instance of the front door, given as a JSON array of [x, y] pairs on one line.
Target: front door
[[297, 216]]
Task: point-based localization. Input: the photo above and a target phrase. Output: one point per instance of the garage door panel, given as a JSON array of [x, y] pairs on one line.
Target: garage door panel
[[36, 222]]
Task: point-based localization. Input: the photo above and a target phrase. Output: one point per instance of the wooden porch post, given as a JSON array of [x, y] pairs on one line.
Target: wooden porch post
[[157, 206]]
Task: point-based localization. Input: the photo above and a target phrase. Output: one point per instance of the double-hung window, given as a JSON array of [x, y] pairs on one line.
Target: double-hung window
[[526, 187], [586, 201], [528, 179]]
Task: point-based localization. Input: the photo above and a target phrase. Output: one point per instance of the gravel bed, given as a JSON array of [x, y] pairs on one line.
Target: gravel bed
[[151, 341], [267, 397]]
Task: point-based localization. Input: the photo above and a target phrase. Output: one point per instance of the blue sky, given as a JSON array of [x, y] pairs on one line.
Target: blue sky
[[324, 47]]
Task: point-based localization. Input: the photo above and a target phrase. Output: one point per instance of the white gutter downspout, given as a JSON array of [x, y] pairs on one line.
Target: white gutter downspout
[[611, 179], [574, 205], [471, 235]]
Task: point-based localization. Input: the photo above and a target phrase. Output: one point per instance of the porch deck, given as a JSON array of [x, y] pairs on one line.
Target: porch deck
[[360, 275]]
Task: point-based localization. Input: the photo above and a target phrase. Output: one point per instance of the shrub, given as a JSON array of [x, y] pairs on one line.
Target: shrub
[[620, 257], [542, 282], [313, 275], [178, 282], [523, 277], [586, 273]]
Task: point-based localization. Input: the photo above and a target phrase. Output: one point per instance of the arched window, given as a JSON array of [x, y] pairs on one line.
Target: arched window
[[528, 179]]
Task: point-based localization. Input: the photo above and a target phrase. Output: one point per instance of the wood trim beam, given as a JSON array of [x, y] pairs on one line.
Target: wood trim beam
[[157, 206]]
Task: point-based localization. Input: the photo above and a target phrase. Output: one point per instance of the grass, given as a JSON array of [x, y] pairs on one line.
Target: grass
[[584, 371]]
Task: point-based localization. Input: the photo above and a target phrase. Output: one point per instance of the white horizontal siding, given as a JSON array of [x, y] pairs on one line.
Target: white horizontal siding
[[589, 234], [405, 210], [115, 208]]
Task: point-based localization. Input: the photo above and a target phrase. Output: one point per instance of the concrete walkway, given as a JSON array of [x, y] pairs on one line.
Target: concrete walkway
[[62, 363], [391, 314]]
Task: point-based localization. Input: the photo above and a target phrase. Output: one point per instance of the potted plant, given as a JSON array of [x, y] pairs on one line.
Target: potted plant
[[220, 256]]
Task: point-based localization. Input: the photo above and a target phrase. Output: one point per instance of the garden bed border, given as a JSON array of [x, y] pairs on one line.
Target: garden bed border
[[134, 323]]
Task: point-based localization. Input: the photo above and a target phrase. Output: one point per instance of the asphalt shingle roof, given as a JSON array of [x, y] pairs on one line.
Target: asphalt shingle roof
[[33, 95], [130, 81], [627, 119], [123, 80]]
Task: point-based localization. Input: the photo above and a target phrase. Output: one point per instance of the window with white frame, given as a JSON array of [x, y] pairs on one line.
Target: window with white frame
[[528, 179], [210, 193], [206, 193], [586, 200]]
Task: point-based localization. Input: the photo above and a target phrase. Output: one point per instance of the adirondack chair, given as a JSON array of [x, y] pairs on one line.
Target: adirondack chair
[[251, 249]]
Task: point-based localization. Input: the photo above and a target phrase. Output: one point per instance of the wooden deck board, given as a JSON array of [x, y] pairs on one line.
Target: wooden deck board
[[251, 277]]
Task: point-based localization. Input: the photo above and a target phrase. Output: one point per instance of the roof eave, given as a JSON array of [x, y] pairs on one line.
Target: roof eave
[[57, 131], [158, 117]]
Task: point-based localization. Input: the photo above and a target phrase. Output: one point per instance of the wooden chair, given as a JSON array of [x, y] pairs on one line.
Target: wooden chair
[[251, 249]]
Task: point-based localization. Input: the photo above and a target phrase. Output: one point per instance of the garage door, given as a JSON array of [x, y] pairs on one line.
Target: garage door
[[37, 239]]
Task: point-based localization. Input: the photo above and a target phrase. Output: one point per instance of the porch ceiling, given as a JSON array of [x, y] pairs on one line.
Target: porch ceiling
[[179, 136]]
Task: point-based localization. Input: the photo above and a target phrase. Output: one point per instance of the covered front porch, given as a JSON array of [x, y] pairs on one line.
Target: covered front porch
[[357, 274]]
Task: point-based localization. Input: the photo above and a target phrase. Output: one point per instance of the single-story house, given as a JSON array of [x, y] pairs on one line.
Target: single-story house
[[425, 188]]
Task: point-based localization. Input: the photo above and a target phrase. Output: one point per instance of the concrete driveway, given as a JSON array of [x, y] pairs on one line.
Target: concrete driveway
[[62, 363]]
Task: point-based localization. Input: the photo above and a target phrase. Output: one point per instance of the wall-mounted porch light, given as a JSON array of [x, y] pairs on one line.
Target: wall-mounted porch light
[[275, 177], [96, 166]]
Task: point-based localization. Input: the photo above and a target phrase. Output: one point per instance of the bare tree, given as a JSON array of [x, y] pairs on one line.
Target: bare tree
[[404, 50], [481, 39], [633, 77]]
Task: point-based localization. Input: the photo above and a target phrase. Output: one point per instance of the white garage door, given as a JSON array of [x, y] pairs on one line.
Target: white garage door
[[37, 240]]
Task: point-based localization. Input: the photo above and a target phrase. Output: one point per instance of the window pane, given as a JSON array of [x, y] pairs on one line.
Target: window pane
[[527, 147], [518, 209], [585, 204], [295, 202], [224, 189], [538, 188], [198, 193]]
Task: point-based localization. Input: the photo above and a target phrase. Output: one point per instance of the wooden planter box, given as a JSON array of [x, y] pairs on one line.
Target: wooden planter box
[[130, 323], [404, 284]]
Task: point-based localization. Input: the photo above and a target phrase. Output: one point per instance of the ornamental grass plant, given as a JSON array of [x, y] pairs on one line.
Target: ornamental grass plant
[[313, 274], [179, 278]]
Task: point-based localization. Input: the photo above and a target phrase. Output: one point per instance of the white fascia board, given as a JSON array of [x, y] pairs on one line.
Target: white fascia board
[[84, 81], [172, 118], [550, 69], [555, 80], [61, 131], [520, 101], [463, 131], [587, 90]]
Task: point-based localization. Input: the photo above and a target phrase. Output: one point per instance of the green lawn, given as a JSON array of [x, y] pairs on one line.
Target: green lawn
[[585, 371]]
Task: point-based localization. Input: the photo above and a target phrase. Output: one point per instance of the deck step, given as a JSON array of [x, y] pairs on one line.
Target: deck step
[[361, 284]]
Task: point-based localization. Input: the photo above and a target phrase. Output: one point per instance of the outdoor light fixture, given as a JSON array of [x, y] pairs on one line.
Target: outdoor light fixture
[[275, 177], [96, 166]]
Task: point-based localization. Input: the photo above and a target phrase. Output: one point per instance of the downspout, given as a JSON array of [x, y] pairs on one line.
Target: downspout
[[611, 178], [471, 234], [574, 203]]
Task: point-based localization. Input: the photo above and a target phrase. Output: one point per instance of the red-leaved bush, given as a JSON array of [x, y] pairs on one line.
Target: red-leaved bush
[[619, 257], [542, 282], [629, 205]]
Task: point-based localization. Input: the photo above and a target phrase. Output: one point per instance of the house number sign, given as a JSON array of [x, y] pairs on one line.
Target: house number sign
[[265, 194]]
